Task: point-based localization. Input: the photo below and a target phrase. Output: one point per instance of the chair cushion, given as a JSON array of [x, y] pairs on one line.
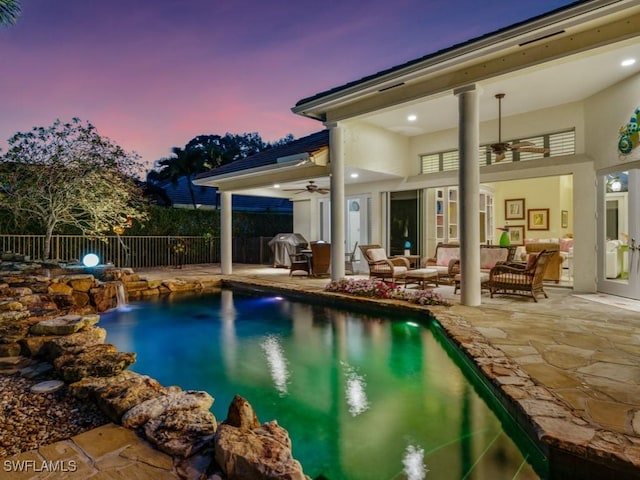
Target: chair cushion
[[531, 260], [445, 254], [376, 254], [490, 256]]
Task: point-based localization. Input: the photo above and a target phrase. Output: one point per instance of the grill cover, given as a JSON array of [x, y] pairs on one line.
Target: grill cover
[[283, 244]]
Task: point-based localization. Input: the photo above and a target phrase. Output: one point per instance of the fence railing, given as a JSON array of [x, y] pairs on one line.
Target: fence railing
[[138, 251]]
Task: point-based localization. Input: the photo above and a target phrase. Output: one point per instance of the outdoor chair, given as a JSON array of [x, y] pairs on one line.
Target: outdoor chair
[[350, 260], [320, 258], [383, 267], [299, 263], [524, 279]]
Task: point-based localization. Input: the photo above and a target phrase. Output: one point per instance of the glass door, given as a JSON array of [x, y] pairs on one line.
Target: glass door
[[619, 233]]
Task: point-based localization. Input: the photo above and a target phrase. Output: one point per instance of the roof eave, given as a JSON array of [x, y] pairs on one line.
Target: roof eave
[[524, 33]]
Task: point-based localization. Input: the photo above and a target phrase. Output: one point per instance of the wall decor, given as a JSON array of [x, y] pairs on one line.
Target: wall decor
[[538, 219], [516, 234], [514, 209], [629, 134], [564, 215]]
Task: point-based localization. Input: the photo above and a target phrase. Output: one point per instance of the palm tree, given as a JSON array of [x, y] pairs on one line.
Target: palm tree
[[186, 162], [10, 10]]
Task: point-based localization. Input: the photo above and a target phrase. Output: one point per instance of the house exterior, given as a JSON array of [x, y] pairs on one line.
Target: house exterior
[[427, 151]]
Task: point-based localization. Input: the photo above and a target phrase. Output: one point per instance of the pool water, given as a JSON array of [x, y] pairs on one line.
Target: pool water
[[362, 396]]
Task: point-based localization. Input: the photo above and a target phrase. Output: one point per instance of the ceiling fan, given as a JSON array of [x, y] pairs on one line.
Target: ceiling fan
[[501, 148], [312, 187]]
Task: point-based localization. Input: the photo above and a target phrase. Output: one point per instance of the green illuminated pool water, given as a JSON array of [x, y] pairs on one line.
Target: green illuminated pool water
[[362, 396]]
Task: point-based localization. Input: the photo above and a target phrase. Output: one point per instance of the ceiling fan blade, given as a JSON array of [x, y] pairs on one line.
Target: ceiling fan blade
[[534, 149], [522, 144]]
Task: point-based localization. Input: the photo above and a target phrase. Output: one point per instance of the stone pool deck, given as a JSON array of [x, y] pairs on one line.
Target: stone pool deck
[[568, 365]]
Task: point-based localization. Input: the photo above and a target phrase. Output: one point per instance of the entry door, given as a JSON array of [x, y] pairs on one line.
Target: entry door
[[619, 233]]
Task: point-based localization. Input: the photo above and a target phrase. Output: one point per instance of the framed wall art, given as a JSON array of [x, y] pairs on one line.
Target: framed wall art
[[514, 209], [538, 219], [516, 234], [565, 218]]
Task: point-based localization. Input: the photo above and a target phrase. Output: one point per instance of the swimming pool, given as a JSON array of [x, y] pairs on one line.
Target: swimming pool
[[363, 396]]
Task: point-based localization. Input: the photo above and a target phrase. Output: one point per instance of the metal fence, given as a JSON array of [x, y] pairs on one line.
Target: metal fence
[[138, 251]]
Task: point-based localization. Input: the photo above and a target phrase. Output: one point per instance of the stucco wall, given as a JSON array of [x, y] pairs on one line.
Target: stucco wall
[[372, 148], [605, 113]]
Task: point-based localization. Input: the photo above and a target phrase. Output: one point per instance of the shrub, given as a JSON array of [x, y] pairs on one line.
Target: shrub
[[372, 288]]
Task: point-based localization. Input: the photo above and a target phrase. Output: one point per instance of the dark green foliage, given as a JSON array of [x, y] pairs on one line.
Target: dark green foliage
[[178, 221]]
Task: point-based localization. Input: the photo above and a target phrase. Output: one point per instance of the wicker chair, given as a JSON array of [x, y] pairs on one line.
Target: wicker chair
[[520, 279], [383, 267], [320, 258], [350, 260], [299, 263]]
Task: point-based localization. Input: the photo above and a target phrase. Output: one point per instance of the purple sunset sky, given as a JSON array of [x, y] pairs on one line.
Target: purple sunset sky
[[152, 74]]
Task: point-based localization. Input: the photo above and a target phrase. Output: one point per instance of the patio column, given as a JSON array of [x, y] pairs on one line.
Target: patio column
[[226, 248], [469, 184], [336, 183]]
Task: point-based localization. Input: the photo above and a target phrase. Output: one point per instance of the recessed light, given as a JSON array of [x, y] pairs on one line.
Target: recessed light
[[276, 185], [412, 118], [354, 175], [628, 62]]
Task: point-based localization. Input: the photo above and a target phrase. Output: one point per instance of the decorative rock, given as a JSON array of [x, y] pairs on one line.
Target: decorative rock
[[245, 455], [241, 414], [137, 285], [80, 283], [95, 361], [12, 332], [118, 394], [9, 349], [33, 371], [246, 450], [75, 342], [59, 288], [13, 316], [81, 299], [172, 402], [16, 291], [48, 386], [11, 305], [181, 433], [64, 325], [35, 346], [635, 422]]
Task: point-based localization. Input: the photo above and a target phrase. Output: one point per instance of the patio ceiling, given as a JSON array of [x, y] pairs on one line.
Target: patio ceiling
[[562, 81]]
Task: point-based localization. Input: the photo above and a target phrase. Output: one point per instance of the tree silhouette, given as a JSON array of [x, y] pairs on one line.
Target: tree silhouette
[[10, 10]]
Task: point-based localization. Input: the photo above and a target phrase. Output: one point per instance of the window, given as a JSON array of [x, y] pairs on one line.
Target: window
[[560, 143]]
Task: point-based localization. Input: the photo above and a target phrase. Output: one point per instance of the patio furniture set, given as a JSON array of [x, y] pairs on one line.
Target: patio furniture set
[[499, 273]]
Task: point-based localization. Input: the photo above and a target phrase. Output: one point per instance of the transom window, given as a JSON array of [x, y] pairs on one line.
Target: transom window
[[560, 143]]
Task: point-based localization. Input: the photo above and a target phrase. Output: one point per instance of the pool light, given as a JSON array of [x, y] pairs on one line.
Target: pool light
[[90, 260]]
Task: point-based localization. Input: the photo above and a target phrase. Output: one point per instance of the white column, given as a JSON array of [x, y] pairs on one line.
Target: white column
[[226, 234], [469, 184], [336, 157]]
